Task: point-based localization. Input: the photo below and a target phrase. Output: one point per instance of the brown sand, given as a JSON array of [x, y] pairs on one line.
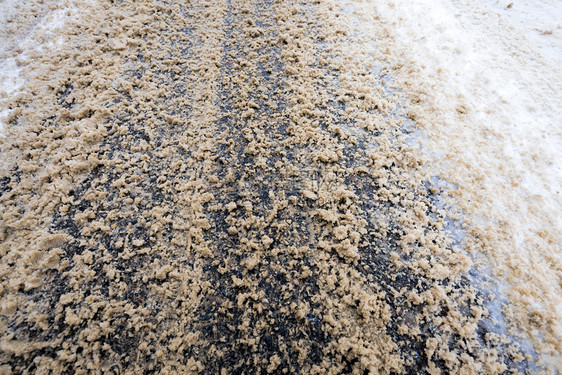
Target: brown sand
[[219, 187]]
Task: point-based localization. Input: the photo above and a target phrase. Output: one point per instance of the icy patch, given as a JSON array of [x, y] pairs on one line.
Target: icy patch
[[497, 84], [7, 10]]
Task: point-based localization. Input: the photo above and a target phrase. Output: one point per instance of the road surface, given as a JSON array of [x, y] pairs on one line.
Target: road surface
[[227, 187]]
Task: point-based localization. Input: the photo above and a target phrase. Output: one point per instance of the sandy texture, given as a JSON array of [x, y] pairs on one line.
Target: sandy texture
[[222, 187], [484, 86]]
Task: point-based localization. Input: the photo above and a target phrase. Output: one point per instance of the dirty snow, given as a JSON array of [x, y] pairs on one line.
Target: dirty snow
[[40, 37], [489, 82]]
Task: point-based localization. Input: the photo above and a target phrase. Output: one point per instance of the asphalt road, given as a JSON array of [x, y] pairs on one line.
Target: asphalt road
[[215, 187]]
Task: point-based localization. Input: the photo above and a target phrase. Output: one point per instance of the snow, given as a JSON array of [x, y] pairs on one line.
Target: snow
[[44, 37], [489, 79]]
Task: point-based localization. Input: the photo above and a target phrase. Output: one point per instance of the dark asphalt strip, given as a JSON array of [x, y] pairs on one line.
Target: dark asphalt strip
[[255, 58]]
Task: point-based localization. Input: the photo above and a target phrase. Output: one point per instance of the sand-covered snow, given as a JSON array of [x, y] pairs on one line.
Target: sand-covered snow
[[487, 80], [28, 30]]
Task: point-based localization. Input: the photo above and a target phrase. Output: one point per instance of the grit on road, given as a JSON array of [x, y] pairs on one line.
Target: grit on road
[[236, 187]]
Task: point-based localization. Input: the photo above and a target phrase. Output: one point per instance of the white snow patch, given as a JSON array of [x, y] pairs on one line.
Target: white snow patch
[[45, 38], [492, 72]]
